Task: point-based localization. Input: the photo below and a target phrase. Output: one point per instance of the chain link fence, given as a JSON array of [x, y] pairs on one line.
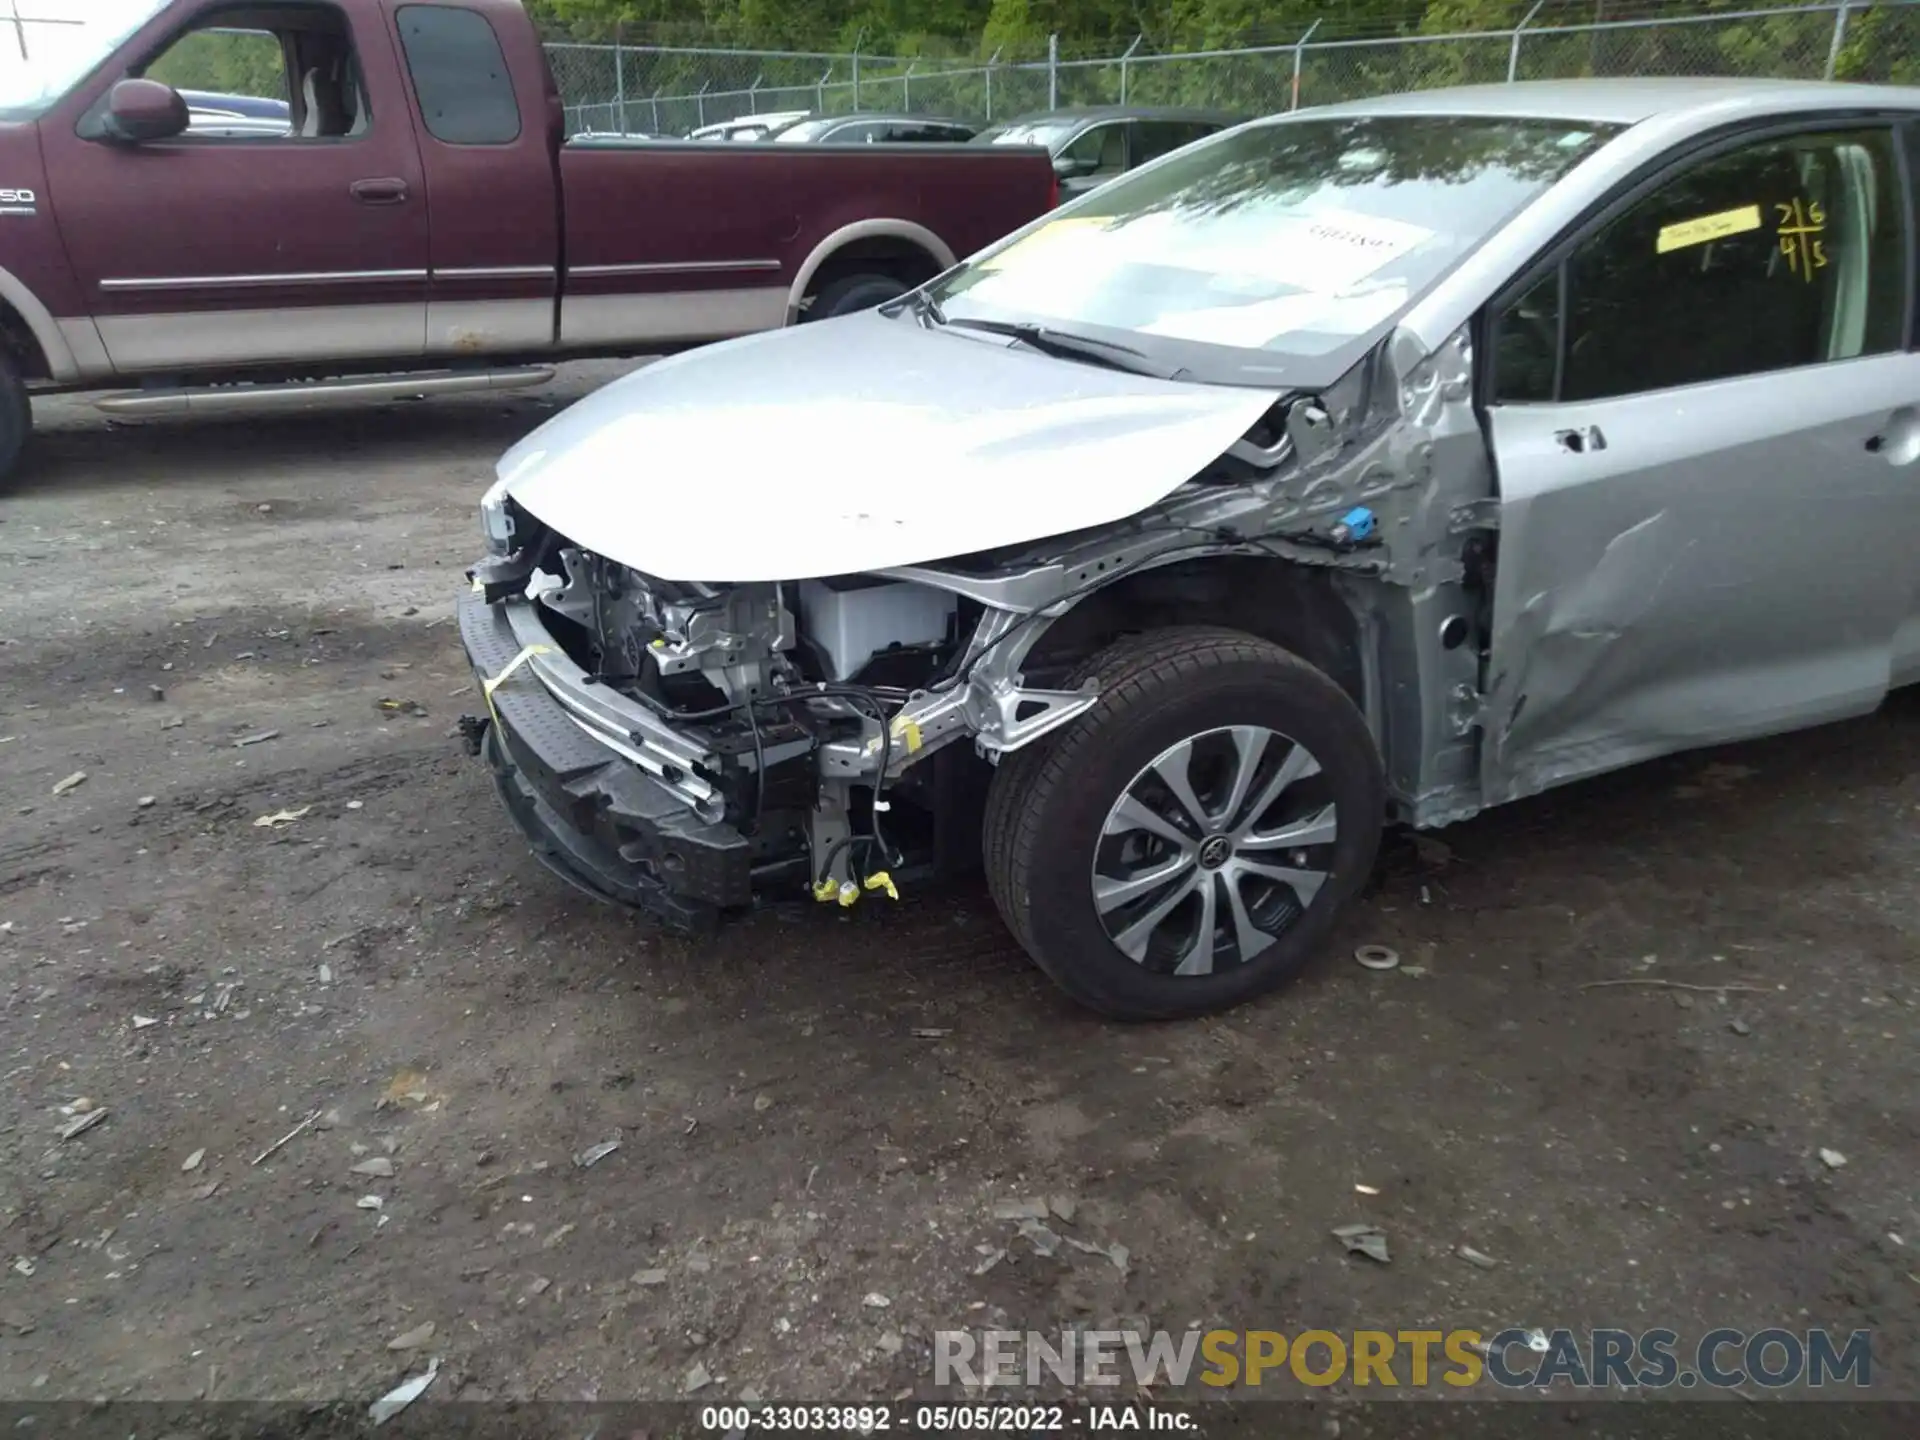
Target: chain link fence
[[671, 90]]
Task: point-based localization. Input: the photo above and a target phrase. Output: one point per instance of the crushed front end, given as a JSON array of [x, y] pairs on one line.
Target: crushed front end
[[689, 749], [692, 748]]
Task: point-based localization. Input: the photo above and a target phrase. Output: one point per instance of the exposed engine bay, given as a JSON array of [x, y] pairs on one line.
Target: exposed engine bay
[[808, 726]]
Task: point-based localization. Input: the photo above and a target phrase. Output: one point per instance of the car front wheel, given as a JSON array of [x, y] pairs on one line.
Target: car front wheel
[[1189, 842], [854, 293]]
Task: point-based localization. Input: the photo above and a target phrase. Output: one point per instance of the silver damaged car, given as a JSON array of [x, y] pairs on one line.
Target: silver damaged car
[[1373, 464]]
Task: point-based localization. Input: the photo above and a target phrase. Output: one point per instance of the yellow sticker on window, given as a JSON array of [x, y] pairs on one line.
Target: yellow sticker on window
[[1803, 237], [1045, 238], [1684, 233]]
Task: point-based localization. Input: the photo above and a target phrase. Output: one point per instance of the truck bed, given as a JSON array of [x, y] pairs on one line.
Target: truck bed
[[678, 241]]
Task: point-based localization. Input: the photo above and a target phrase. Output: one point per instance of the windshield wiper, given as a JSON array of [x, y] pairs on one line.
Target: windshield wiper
[[1069, 346], [921, 302]]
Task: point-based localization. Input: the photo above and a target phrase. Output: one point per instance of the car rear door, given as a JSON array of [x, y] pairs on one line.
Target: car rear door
[[1705, 419], [229, 249]]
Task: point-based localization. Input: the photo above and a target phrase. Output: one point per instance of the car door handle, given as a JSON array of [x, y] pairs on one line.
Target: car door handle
[[391, 191], [1580, 442], [1899, 439]]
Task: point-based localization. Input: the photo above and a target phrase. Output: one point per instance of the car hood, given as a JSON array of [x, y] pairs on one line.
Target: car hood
[[860, 444]]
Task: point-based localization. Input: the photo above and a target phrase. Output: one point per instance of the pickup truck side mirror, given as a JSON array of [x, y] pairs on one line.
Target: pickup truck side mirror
[[1072, 167], [139, 110]]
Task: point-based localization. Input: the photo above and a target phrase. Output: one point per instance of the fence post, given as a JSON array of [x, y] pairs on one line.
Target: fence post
[[1513, 46], [619, 79], [654, 101], [992, 60], [1053, 71], [906, 86], [1299, 48], [1123, 67], [1839, 39], [700, 103], [856, 74], [753, 95], [820, 89]]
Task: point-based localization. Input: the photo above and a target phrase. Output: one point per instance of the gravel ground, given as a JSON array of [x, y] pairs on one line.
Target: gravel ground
[[818, 1112]]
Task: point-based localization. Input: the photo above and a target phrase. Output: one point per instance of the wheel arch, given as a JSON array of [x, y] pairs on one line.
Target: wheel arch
[[30, 332], [879, 240], [1301, 608]]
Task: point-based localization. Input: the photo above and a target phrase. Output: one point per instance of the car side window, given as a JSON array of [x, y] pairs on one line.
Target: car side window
[[1784, 253], [1154, 138], [926, 134], [460, 75], [1103, 150], [299, 80]]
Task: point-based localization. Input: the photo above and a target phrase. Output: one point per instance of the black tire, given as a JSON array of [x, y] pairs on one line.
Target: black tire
[[16, 419], [1049, 803], [855, 292]]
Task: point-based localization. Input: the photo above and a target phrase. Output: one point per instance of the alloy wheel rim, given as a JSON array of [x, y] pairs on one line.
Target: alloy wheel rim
[[1215, 848]]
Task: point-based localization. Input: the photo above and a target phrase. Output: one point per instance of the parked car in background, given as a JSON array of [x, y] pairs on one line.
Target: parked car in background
[[749, 127], [613, 137], [1091, 146], [1388, 461], [230, 117], [257, 107], [877, 129], [414, 226], [226, 125]]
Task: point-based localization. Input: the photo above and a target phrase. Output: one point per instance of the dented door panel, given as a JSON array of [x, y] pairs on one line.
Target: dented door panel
[[1734, 561]]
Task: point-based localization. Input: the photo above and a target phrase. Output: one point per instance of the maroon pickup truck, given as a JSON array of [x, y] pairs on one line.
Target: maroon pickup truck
[[422, 226]]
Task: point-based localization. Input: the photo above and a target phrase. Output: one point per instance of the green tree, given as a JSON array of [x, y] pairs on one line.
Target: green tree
[[233, 62]]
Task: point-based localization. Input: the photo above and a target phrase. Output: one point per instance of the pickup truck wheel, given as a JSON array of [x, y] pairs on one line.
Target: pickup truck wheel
[[854, 292], [1189, 842], [16, 418]]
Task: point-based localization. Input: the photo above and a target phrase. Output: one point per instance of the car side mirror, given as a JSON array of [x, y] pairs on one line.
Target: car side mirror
[[140, 110]]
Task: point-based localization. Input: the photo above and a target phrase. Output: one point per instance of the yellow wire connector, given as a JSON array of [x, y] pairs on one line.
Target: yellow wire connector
[[487, 687], [881, 880]]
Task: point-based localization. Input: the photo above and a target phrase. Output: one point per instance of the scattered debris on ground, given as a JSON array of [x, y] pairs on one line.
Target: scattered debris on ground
[[1367, 1240]]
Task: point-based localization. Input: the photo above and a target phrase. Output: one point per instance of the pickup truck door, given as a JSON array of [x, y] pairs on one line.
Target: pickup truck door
[[487, 114], [229, 250], [1705, 418]]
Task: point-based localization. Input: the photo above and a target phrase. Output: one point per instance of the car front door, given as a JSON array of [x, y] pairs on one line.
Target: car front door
[[214, 250], [1705, 419]]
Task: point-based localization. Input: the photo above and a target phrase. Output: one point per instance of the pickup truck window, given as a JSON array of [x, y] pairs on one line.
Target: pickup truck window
[[249, 63], [459, 75], [306, 58]]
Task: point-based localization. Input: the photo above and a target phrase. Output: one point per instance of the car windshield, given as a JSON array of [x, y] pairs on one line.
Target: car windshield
[[55, 44], [1049, 134], [1299, 237]]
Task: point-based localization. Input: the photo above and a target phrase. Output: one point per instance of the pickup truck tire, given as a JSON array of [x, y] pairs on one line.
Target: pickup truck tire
[[16, 419], [1282, 774], [855, 292]]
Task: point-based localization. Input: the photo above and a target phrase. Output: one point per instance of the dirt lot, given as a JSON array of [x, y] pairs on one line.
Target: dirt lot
[[793, 1147]]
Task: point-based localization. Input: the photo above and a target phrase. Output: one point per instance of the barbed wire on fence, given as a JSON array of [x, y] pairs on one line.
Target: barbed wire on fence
[[670, 90]]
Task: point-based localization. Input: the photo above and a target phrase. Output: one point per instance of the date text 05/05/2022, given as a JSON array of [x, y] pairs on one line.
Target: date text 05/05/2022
[[940, 1419]]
